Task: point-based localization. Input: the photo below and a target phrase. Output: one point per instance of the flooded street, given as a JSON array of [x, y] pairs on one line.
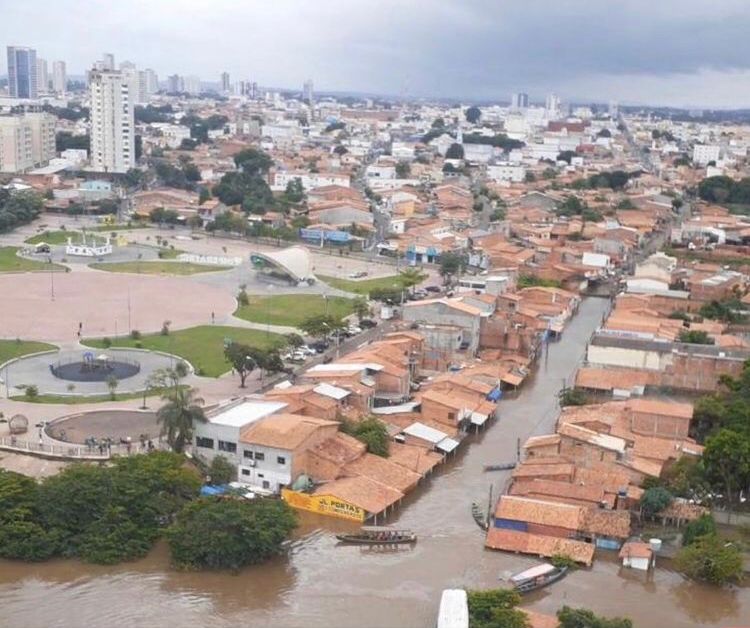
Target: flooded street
[[322, 584]]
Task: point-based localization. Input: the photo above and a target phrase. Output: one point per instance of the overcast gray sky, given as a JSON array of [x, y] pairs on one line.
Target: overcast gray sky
[[673, 52]]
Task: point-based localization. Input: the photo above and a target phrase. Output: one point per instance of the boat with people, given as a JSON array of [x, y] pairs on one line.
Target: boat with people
[[479, 516], [537, 577], [378, 535]]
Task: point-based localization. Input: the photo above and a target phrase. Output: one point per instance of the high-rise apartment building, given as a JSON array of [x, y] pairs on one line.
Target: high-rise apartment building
[[552, 105], [192, 85], [112, 121], [225, 85], [22, 72], [42, 76], [108, 61], [175, 84], [151, 81], [307, 92], [519, 100], [26, 141], [59, 77]]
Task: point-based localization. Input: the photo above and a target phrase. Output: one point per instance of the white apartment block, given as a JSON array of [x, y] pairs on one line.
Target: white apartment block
[[505, 171], [309, 180], [703, 153], [26, 141], [59, 77], [112, 122]]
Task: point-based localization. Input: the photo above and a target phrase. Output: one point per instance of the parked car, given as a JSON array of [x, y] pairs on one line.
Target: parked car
[[358, 275], [366, 323], [354, 330], [307, 349], [432, 288], [319, 346]]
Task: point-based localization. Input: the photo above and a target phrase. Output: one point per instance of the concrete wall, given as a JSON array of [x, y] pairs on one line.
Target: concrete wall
[[630, 358]]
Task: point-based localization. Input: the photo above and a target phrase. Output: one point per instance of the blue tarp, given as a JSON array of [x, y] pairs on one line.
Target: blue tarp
[[495, 394], [511, 524], [213, 490]]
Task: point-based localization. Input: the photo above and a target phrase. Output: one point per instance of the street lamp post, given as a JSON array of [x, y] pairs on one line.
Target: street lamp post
[[51, 278]]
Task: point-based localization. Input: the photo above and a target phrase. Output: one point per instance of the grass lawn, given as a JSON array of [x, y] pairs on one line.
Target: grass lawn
[[53, 237], [158, 268], [167, 253], [73, 399], [364, 286], [291, 309], [10, 262], [202, 346], [10, 349]]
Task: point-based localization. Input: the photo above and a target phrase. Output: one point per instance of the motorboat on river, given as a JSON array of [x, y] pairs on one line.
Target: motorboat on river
[[378, 535]]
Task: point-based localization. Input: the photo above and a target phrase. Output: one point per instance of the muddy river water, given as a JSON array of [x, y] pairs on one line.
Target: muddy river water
[[322, 584]]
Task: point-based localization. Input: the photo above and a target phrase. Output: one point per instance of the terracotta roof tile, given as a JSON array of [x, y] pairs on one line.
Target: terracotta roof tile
[[525, 543]]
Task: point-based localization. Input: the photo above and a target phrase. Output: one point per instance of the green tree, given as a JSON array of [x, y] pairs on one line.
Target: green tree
[[703, 526], [295, 340], [268, 361], [584, 618], [411, 277], [253, 161], [695, 337], [361, 308], [455, 151], [473, 114], [178, 416], [451, 265], [654, 500], [726, 460], [370, 431], [295, 191], [112, 384], [222, 471], [496, 608], [241, 358], [229, 533], [320, 325], [403, 170], [710, 559]]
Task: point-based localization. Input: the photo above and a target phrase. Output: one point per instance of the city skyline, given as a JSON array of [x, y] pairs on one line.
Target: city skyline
[[694, 57]]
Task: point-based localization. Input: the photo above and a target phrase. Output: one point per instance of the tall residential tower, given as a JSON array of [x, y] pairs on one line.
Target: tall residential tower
[[22, 72], [112, 122]]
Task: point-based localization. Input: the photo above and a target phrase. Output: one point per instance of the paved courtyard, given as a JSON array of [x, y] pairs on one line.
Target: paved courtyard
[[107, 304]]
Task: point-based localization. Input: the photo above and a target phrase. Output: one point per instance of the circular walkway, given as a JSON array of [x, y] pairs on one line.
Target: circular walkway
[[37, 370]]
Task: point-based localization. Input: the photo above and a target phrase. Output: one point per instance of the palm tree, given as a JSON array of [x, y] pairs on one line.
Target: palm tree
[[178, 416], [411, 277]]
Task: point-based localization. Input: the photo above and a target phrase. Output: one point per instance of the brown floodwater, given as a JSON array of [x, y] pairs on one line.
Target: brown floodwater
[[322, 584]]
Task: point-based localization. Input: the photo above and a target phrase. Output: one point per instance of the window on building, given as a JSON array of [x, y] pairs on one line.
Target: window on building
[[245, 471], [451, 417], [281, 459], [259, 455], [225, 445], [266, 484], [206, 443], [247, 454]]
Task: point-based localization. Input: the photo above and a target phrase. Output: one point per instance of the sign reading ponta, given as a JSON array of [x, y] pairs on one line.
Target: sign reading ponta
[[323, 505]]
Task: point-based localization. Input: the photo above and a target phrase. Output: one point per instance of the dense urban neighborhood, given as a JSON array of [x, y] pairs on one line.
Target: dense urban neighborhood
[[331, 350]]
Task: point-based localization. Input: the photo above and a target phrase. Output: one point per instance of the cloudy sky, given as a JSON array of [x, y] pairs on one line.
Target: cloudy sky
[[673, 52]]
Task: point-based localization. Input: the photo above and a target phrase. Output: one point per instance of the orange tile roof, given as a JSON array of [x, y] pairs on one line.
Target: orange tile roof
[[665, 408], [592, 493], [283, 431], [417, 459], [383, 471], [541, 512], [611, 523], [525, 543]]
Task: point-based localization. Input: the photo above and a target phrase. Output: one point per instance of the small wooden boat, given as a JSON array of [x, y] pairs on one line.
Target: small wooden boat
[[377, 535], [479, 516], [537, 577], [500, 467]]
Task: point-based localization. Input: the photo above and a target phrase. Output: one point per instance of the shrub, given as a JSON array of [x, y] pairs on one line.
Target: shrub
[[242, 297], [165, 328], [135, 334], [31, 392], [710, 559], [562, 560], [181, 368], [106, 342], [138, 344], [703, 526]]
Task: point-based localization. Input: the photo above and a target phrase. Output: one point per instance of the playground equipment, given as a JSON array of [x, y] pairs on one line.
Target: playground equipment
[[95, 368]]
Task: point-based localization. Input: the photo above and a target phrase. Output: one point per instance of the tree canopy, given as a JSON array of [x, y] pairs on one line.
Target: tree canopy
[[18, 208], [99, 514], [455, 151], [710, 559], [723, 189], [584, 618], [178, 416], [320, 325], [496, 608], [473, 114], [372, 432], [213, 533]]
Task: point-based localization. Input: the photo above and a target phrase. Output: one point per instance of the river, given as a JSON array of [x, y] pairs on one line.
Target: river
[[321, 584]]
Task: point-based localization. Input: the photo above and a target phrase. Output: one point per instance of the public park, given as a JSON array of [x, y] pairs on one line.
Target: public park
[[98, 312]]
